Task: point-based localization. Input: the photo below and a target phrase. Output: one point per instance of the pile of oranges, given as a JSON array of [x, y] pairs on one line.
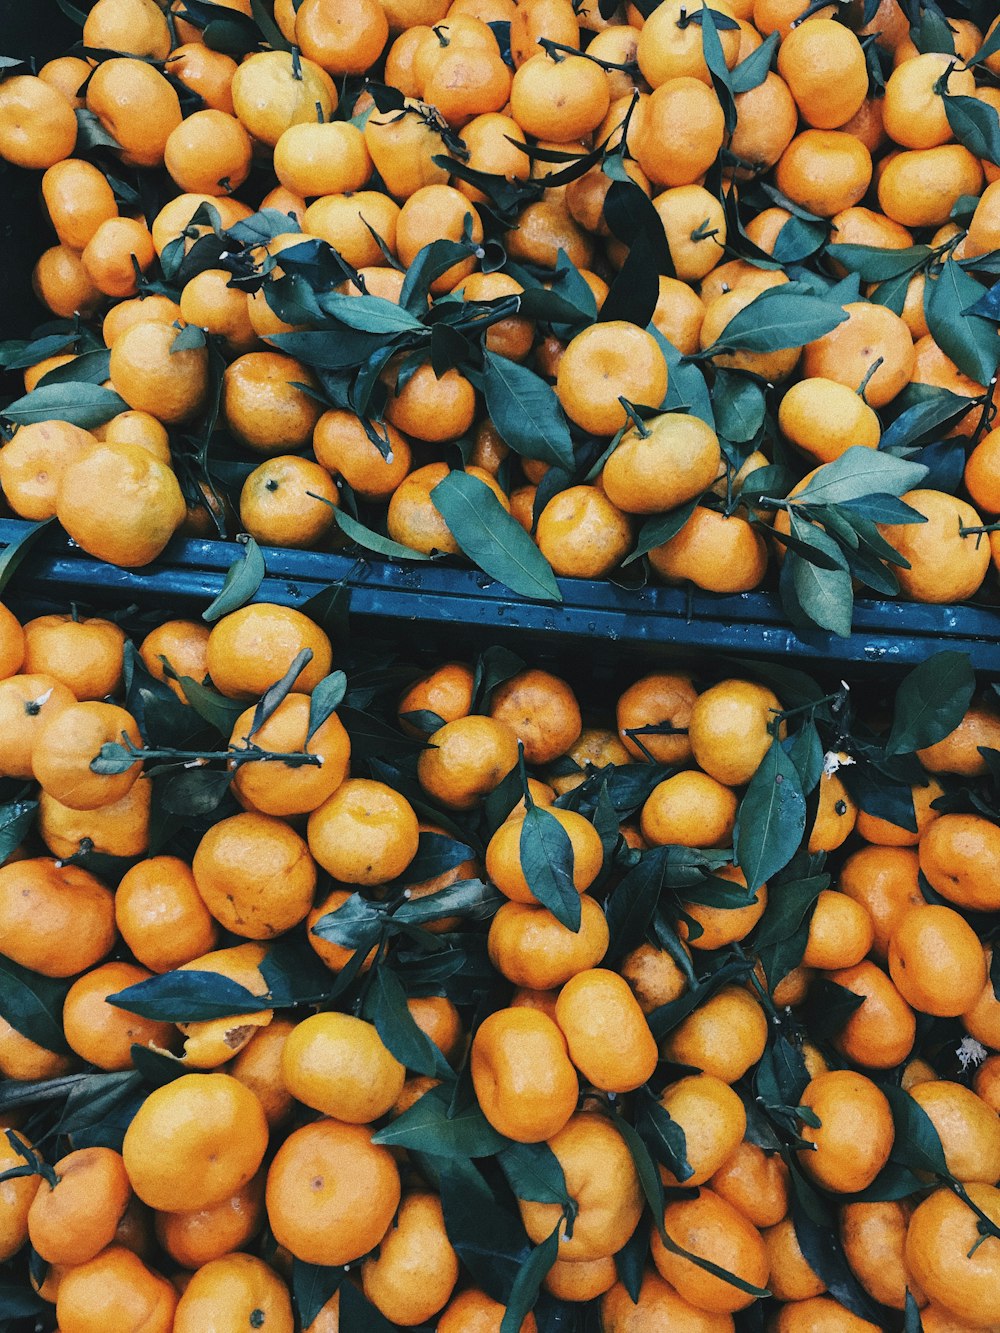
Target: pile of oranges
[[632, 281], [339, 993]]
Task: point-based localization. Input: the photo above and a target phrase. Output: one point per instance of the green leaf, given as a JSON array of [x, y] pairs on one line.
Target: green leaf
[[312, 1286], [930, 702], [426, 1127], [916, 1143], [751, 72], [16, 819], [817, 1235], [777, 319], [189, 996], [85, 405], [87, 368], [326, 698], [911, 1312], [528, 1283], [771, 818], [988, 48], [665, 1138], [739, 406], [873, 263], [14, 552], [970, 341], [492, 538], [242, 581], [924, 419], [859, 472], [798, 239], [649, 1177], [826, 596], [374, 541], [18, 1301], [385, 1007], [547, 863], [975, 124], [33, 1005], [534, 1172], [371, 314], [660, 528], [218, 711], [526, 411], [276, 39]]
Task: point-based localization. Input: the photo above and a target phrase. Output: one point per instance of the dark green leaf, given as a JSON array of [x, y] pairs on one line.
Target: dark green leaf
[[32, 1004], [525, 411], [534, 1172], [157, 1067], [916, 1143], [527, 1284], [969, 340], [358, 1315], [665, 1139], [751, 72], [426, 1127], [326, 698], [816, 1233], [930, 702], [660, 528], [649, 1177], [911, 1312], [312, 1286], [976, 125], [489, 1240], [873, 263], [242, 581], [371, 314], [739, 406], [85, 405], [547, 862], [771, 818], [492, 538], [374, 541], [20, 1302], [88, 368], [193, 792], [825, 595], [188, 996], [16, 818], [924, 418], [218, 711], [798, 239], [859, 472], [779, 318], [385, 1006]]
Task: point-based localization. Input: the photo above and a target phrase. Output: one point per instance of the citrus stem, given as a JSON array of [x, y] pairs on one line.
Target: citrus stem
[[640, 426], [554, 49], [958, 1189], [972, 530], [234, 756], [868, 375]]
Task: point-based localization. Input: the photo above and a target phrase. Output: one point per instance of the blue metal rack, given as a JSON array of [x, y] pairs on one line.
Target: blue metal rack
[[648, 622]]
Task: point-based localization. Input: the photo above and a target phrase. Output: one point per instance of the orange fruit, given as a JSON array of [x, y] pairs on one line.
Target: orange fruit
[[606, 1032], [62, 754], [713, 551], [37, 124], [936, 961], [232, 1292], [855, 1134], [541, 710], [152, 378], [472, 1311], [949, 1259], [824, 65], [27, 703], [841, 932], [958, 854], [671, 460], [728, 730], [71, 1221], [137, 105], [54, 919], [114, 1288], [712, 1229], [101, 1033], [689, 810], [582, 534], [791, 1277], [161, 915], [713, 1120], [724, 1036], [252, 648], [34, 462], [919, 188], [344, 449], [211, 1042], [416, 1269], [680, 131], [503, 855], [524, 1081], [119, 829], [331, 1193], [16, 1197], [365, 833], [755, 1183], [531, 948], [465, 760], [600, 1176], [657, 700], [78, 199], [945, 564], [880, 1033], [874, 1240], [670, 45], [342, 37], [194, 1142], [255, 875], [338, 1064], [274, 788], [602, 364], [654, 976], [270, 93], [262, 406]]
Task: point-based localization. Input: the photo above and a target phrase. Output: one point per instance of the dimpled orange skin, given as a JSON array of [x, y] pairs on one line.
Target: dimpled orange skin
[[251, 649], [366, 833], [960, 856], [937, 962], [194, 1141], [339, 1065], [255, 874], [102, 1033], [161, 916], [72, 1221], [714, 1229], [27, 702], [69, 741], [604, 362], [531, 948], [607, 1034], [196, 1238], [114, 1290], [331, 1193], [416, 1268], [234, 1292], [969, 1130], [855, 1135], [728, 730], [660, 1306], [946, 1254], [524, 1081], [56, 920], [466, 759], [601, 1177]]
